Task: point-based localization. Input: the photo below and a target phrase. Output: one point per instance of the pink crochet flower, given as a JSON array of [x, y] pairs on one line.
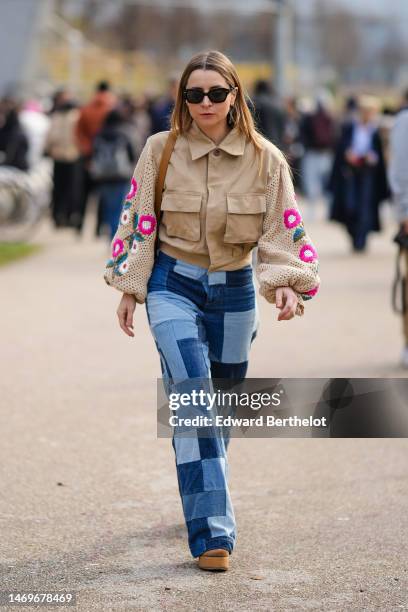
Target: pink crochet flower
[[117, 247], [307, 253], [313, 291], [146, 225], [291, 217], [133, 190]]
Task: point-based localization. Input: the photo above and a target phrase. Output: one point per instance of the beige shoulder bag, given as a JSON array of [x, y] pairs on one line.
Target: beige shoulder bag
[[164, 162]]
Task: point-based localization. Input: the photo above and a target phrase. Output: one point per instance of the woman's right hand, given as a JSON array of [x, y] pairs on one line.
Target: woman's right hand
[[351, 158], [125, 312]]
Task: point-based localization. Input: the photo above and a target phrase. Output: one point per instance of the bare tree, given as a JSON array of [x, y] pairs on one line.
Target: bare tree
[[172, 32], [338, 36]]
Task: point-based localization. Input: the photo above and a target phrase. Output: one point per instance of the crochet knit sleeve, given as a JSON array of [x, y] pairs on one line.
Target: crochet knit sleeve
[[286, 256], [132, 247]]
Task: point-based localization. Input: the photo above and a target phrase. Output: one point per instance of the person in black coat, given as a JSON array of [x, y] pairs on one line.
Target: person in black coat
[[269, 116], [13, 141], [358, 182]]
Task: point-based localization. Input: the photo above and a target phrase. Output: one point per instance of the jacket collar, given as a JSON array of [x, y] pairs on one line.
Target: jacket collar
[[200, 144]]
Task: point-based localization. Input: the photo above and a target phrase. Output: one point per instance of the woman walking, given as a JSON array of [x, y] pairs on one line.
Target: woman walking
[[227, 190], [359, 182]]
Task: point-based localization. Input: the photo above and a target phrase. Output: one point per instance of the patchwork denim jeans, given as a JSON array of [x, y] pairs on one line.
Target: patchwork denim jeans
[[203, 324]]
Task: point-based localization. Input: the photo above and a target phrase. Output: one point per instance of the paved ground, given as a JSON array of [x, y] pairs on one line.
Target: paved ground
[[89, 497]]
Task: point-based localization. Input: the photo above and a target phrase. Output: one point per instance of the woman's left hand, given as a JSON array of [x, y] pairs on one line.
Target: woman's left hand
[[286, 300]]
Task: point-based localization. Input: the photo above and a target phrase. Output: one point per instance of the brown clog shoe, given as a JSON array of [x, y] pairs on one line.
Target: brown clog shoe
[[216, 560]]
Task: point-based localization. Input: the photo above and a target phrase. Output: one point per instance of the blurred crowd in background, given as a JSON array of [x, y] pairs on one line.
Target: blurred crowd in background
[[337, 156], [339, 151]]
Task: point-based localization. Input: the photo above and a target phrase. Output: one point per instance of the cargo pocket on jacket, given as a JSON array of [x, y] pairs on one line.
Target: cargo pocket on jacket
[[181, 214], [245, 214]]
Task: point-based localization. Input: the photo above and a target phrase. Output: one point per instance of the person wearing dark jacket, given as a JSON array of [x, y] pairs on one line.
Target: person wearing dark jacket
[[111, 167], [318, 137], [160, 111], [269, 117], [13, 141], [358, 180], [293, 146]]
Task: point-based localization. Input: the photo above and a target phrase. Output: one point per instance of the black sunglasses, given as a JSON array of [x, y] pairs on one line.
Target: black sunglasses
[[217, 94]]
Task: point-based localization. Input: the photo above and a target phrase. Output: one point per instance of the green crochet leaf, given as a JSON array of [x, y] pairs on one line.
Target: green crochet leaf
[[121, 259], [298, 234], [135, 221]]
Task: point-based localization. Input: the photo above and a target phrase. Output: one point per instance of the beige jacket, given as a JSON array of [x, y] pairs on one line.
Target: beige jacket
[[61, 144], [219, 202]]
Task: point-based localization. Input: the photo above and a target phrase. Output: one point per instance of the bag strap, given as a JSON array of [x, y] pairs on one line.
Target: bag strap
[[164, 162]]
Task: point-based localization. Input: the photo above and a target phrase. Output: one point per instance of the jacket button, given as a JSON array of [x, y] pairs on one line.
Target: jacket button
[[217, 152]]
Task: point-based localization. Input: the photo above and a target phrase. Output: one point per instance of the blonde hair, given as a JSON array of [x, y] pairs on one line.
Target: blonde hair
[[368, 102], [241, 115]]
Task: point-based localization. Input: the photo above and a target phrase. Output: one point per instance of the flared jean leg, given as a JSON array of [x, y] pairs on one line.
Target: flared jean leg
[[200, 453]]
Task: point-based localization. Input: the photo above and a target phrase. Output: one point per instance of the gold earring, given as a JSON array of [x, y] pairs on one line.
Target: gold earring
[[230, 118]]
